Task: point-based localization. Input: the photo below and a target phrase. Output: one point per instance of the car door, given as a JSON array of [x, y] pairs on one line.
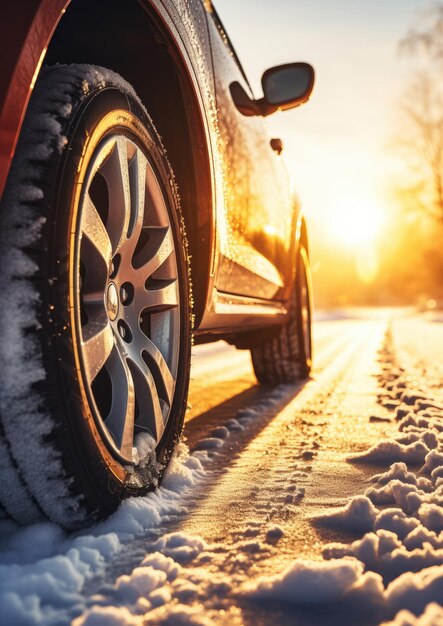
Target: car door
[[256, 222]]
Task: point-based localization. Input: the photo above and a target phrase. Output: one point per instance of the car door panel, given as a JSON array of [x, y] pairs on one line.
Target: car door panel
[[256, 221]]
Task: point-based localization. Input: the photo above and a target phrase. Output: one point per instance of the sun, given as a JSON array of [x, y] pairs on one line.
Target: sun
[[354, 226], [356, 223]]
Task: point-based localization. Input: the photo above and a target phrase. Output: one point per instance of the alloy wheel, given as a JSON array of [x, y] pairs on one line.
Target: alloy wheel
[[127, 296]]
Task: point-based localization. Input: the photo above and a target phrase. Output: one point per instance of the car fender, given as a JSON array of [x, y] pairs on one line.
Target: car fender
[[24, 47]]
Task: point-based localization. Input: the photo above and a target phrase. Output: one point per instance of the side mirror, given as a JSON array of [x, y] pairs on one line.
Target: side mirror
[[285, 87]]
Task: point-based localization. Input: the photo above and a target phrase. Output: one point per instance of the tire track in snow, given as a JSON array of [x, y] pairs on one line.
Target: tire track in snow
[[293, 445], [248, 513], [222, 381], [285, 465]]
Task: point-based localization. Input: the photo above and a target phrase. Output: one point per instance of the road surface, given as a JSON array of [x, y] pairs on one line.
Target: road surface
[[266, 466]]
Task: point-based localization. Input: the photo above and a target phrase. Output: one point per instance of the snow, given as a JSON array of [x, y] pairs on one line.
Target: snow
[[431, 516], [392, 564], [221, 432], [43, 571], [397, 564], [308, 583], [209, 443], [433, 461], [401, 548], [432, 616], [358, 514], [390, 451], [414, 591], [274, 533], [181, 547], [109, 615]]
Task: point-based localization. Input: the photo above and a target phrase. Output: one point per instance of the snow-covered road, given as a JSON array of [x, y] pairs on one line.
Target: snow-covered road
[[237, 533]]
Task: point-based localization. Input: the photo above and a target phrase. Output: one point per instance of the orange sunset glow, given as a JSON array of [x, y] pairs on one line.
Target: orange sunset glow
[[221, 337], [344, 151]]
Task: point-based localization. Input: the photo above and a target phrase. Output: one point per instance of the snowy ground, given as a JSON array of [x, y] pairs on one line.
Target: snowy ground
[[320, 503]]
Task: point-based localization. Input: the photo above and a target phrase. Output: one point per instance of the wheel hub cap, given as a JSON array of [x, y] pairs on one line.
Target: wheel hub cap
[[112, 302]]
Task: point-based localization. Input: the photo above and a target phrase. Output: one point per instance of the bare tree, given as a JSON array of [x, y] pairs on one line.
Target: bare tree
[[429, 38], [422, 111], [421, 142]]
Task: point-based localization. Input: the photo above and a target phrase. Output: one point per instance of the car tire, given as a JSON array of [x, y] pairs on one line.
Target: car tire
[[286, 357], [95, 336]]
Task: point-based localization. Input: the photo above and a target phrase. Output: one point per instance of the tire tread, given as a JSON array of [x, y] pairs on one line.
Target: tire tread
[[281, 359]]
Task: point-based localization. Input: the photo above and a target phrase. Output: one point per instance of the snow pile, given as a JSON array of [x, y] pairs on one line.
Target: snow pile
[[145, 594], [433, 616], [359, 514], [397, 564], [307, 583], [392, 569], [181, 547], [43, 572], [385, 451]]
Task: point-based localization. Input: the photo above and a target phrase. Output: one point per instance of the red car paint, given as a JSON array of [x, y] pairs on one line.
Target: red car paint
[[25, 30]]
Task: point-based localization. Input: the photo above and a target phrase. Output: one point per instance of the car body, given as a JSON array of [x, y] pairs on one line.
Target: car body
[[142, 207], [243, 221]]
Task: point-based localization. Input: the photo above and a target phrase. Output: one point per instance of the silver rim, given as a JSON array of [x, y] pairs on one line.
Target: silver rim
[[127, 296]]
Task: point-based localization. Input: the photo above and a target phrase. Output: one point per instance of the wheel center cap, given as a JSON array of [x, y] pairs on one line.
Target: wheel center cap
[[112, 301]]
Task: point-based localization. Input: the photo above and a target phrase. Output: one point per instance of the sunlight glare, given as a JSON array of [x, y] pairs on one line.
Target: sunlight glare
[[367, 264], [356, 223]]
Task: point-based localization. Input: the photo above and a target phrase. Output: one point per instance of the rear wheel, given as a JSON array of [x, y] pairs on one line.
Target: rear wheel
[[96, 335], [287, 356]]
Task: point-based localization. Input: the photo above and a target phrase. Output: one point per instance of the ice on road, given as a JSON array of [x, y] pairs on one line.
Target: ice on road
[[320, 503]]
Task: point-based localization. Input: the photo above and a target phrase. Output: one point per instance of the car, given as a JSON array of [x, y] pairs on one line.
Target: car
[[143, 207]]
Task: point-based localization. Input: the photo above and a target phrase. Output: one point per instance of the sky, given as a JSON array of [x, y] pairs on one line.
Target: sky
[[339, 146]]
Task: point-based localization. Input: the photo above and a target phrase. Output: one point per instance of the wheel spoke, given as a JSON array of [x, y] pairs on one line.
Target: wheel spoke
[[163, 296], [94, 229], [115, 171], [158, 249], [150, 416], [98, 341], [120, 420], [159, 368], [93, 277]]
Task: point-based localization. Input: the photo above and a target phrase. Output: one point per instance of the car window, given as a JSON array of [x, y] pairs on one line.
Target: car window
[[225, 37]]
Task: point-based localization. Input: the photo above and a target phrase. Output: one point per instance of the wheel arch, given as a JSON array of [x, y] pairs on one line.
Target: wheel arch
[[138, 44]]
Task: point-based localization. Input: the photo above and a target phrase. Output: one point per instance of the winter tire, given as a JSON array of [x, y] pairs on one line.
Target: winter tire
[[95, 334], [287, 356]]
